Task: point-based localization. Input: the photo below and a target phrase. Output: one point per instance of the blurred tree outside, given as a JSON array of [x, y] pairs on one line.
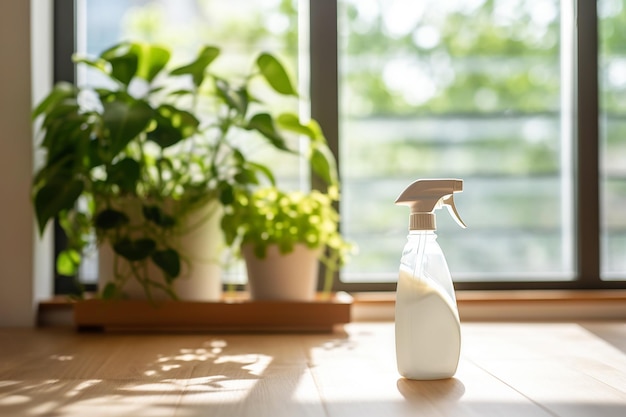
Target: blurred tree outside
[[467, 89]]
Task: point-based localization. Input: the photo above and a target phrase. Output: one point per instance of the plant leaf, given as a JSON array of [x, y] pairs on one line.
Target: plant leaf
[[264, 124], [125, 173], [322, 164], [134, 250], [197, 68], [61, 91], [291, 122], [153, 59], [169, 262], [157, 216], [110, 219], [98, 63], [110, 291], [124, 61], [235, 99], [57, 171], [54, 197], [227, 194], [229, 226], [275, 74], [263, 169], [68, 262], [246, 176], [94, 153], [164, 135], [181, 92], [125, 119], [173, 125]]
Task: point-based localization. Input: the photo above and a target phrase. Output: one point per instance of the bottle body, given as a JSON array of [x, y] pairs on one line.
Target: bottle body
[[427, 325]]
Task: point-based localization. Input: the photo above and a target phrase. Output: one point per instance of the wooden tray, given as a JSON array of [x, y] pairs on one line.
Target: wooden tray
[[233, 314]]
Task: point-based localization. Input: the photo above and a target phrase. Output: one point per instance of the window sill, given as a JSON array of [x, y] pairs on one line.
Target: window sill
[[527, 305], [540, 305]]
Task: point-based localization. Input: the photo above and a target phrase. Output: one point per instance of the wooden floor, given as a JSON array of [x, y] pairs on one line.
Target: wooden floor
[[507, 369]]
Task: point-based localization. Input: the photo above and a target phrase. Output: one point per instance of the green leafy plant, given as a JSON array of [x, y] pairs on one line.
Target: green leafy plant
[[269, 215], [127, 161]]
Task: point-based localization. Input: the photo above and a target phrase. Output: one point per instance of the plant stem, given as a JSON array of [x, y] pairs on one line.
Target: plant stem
[[329, 273]]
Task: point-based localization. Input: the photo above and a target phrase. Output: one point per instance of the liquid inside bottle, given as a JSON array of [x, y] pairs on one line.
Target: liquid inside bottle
[[428, 337]]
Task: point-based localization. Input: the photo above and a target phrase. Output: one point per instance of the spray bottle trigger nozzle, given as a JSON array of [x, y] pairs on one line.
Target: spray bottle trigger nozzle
[[448, 201]]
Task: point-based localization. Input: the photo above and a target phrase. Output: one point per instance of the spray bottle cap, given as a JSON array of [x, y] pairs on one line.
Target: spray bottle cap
[[425, 196]]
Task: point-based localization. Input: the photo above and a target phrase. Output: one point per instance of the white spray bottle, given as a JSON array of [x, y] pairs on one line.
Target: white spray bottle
[[428, 330]]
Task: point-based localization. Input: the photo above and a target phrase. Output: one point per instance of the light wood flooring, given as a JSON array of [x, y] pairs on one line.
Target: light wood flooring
[[506, 369]]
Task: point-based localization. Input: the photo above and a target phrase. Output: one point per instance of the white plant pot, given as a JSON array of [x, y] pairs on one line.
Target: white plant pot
[[292, 276], [200, 249]]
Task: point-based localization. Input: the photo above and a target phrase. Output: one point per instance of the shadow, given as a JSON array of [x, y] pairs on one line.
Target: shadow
[[612, 333], [156, 374], [437, 391]]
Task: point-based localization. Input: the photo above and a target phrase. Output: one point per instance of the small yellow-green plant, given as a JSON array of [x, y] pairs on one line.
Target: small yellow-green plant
[[265, 215]]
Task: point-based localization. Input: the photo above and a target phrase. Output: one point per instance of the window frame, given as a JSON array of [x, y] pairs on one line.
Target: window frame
[[63, 47], [324, 93]]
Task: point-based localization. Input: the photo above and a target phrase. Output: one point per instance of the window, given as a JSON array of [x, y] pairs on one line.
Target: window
[[460, 89], [501, 93]]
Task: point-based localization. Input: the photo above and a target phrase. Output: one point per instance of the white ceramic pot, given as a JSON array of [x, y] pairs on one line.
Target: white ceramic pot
[[200, 245], [292, 276]]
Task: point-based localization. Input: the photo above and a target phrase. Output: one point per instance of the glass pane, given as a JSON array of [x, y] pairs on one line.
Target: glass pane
[[465, 89], [612, 74], [185, 26]]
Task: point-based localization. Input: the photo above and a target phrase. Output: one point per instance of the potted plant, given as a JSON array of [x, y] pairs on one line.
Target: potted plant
[[283, 235], [148, 157]]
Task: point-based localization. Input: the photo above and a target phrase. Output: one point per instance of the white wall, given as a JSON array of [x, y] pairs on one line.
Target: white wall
[[22, 280]]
